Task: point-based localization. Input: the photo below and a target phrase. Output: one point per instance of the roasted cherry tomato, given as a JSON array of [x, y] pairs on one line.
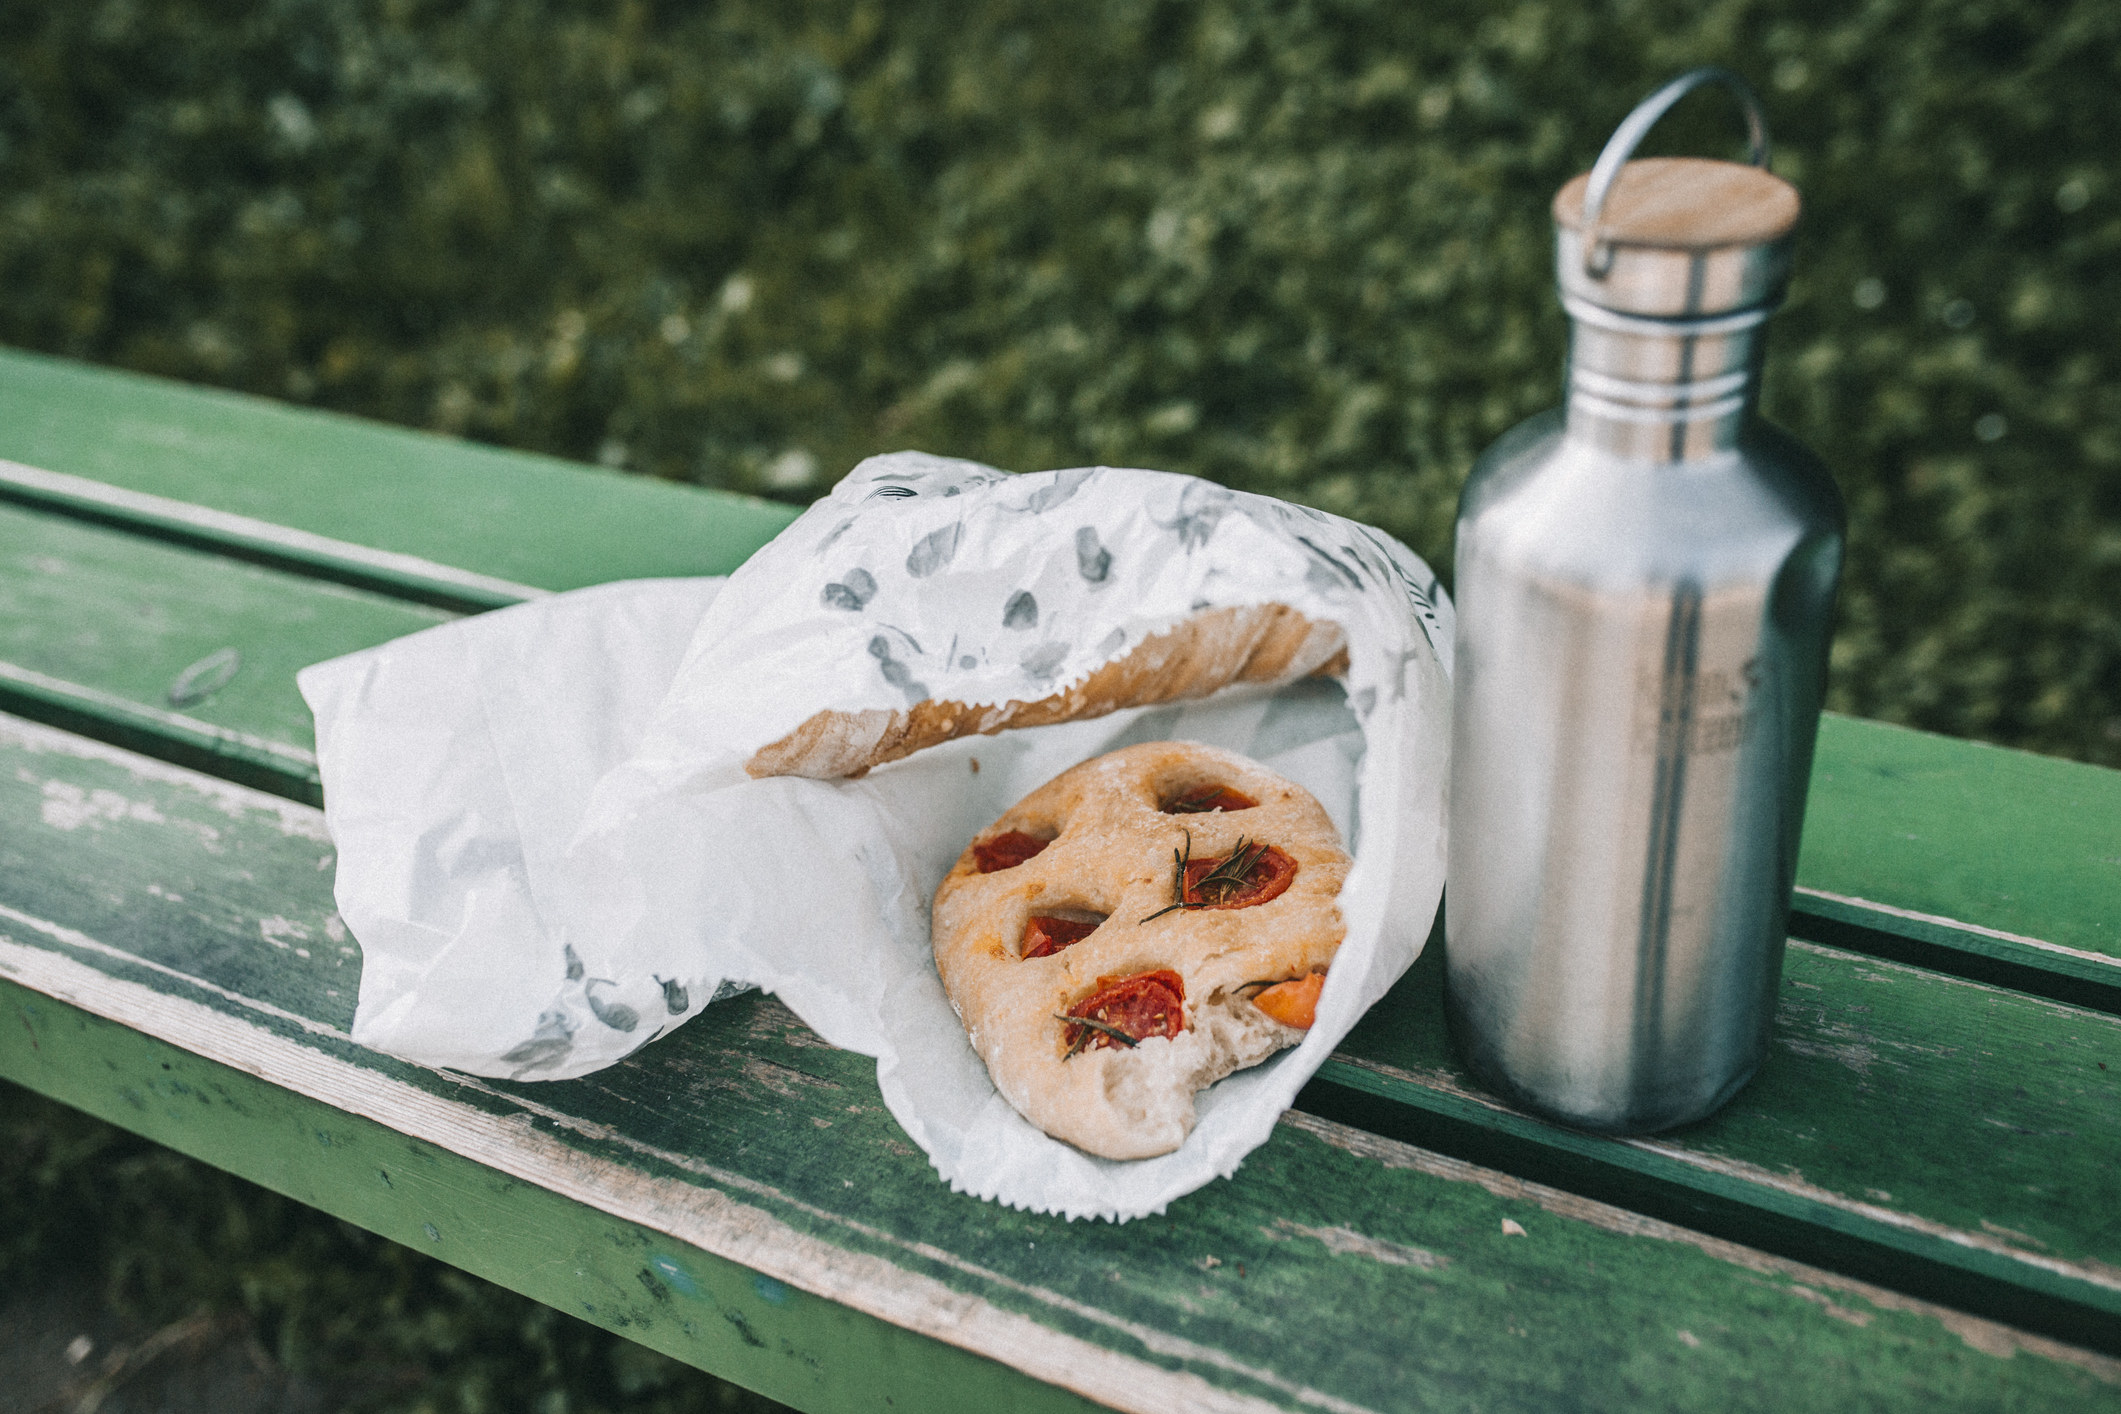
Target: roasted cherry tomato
[[1253, 875], [1006, 851], [1138, 1007], [1201, 799], [1294, 1002], [1046, 935]]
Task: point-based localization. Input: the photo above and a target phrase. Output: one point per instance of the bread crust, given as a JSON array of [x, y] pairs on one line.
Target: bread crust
[[1211, 649], [1112, 854]]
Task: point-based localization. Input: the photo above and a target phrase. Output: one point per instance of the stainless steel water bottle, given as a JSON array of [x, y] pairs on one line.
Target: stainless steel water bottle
[[1644, 582]]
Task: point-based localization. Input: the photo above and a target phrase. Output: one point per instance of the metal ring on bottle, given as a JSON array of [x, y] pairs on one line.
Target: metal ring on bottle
[[1651, 326], [1657, 393], [1616, 411], [1597, 251]]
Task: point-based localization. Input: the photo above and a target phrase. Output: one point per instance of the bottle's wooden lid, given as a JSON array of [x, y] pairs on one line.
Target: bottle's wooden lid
[[1680, 237], [1686, 203]]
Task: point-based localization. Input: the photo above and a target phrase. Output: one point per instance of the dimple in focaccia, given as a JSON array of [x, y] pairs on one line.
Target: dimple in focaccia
[[1136, 929]]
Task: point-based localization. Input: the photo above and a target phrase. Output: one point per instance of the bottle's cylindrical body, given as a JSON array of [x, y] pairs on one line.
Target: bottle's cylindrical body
[[1644, 586]]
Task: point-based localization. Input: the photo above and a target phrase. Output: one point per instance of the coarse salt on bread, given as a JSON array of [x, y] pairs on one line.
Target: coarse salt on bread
[[1113, 848]]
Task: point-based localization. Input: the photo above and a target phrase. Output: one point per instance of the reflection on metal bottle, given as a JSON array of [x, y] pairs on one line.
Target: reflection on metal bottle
[[1644, 583]]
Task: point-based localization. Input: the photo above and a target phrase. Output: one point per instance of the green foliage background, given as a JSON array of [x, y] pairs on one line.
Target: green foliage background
[[1301, 248]]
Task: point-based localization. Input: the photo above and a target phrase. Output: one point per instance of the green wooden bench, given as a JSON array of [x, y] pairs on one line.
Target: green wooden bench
[[1916, 1205]]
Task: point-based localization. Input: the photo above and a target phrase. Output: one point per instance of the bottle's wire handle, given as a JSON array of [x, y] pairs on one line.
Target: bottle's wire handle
[[1598, 251]]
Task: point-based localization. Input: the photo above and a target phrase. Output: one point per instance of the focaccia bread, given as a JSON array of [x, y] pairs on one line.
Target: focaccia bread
[[1136, 929], [1213, 648]]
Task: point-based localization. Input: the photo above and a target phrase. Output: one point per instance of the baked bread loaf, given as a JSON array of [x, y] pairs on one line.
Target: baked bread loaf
[[1259, 643], [1136, 929]]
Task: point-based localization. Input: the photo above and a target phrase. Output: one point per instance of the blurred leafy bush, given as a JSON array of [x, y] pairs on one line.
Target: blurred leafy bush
[[1298, 247]]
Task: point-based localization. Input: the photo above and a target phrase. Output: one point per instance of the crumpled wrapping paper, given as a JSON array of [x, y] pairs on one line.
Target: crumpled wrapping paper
[[550, 852]]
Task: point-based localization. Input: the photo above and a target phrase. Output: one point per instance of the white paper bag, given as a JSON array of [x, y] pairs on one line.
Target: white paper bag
[[551, 853]]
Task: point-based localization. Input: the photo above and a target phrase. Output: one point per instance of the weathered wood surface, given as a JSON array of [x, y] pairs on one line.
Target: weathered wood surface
[[700, 1196], [126, 616], [259, 542], [1951, 1139], [1783, 1169], [2017, 852], [528, 519], [1915, 1137]]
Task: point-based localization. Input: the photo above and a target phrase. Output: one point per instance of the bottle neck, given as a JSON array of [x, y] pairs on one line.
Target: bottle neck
[[1662, 390]]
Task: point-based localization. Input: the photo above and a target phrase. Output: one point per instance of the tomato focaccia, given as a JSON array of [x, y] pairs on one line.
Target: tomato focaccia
[[1135, 930]]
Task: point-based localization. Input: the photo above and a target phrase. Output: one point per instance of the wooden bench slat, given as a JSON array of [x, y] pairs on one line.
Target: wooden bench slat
[[512, 515], [1591, 1305], [258, 542], [746, 1138], [285, 770], [1936, 1134], [622, 1274], [99, 626], [2026, 847], [126, 617], [2031, 965]]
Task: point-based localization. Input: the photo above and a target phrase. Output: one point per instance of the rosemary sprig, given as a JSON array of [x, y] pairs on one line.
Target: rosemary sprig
[[1214, 886], [1230, 874], [1090, 1025], [1178, 881]]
